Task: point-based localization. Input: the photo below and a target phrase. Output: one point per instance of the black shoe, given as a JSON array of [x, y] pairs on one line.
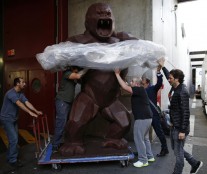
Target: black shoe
[[196, 168], [16, 164], [163, 153]]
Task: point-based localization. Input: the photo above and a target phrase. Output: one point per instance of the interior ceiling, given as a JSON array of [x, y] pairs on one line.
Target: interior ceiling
[[197, 58], [185, 0]]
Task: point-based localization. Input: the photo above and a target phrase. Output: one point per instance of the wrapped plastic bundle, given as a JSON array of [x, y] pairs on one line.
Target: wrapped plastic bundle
[[129, 53]]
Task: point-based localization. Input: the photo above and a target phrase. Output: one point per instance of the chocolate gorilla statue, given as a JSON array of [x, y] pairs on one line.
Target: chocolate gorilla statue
[[100, 89]]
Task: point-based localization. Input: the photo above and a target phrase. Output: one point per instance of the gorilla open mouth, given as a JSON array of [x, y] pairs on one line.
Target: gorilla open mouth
[[104, 27]]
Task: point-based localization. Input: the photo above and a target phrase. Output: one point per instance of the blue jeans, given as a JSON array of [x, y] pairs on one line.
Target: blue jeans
[[180, 153], [62, 112], [156, 124], [11, 129]]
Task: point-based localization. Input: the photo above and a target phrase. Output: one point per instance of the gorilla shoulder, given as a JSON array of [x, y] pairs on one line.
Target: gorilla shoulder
[[125, 36]]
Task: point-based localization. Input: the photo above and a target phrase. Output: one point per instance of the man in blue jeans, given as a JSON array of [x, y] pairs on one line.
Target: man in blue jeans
[[156, 123], [13, 100], [63, 103], [180, 118]]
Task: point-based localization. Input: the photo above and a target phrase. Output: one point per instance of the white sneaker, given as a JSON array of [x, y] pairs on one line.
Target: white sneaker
[[151, 160], [140, 164]]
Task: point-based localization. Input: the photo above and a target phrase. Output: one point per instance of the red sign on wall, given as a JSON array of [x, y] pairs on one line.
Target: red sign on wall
[[11, 52]]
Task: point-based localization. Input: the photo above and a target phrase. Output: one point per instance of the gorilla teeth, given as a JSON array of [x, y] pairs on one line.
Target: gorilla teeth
[[104, 24]]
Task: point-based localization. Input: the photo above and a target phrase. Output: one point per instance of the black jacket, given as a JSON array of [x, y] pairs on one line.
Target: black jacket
[[179, 109], [179, 106], [152, 93]]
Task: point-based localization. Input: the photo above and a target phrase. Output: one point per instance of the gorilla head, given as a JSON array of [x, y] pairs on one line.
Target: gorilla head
[[99, 21]]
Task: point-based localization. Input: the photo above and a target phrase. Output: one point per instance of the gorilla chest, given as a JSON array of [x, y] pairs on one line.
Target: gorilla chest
[[102, 82]]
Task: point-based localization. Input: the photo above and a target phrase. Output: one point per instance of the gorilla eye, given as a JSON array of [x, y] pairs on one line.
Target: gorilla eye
[[99, 13], [108, 13]]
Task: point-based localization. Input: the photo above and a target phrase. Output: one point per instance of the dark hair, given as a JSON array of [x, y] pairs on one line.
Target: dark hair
[[73, 68], [17, 80], [178, 74], [146, 79], [76, 67]]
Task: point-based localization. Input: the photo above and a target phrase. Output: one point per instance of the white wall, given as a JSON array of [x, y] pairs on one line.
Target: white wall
[[198, 77], [204, 80], [183, 58], [167, 31]]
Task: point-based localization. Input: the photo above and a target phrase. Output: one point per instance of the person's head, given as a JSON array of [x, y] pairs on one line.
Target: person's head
[[74, 69], [145, 82], [176, 77], [19, 83], [99, 21], [199, 87], [135, 82]]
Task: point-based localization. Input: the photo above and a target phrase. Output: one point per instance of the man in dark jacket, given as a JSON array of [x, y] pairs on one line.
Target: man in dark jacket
[[156, 124], [180, 115]]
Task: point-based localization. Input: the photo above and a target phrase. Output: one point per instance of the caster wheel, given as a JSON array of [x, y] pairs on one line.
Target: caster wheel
[[56, 167], [124, 163]]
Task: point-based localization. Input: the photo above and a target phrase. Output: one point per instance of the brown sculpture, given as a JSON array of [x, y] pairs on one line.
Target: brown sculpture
[[100, 89]]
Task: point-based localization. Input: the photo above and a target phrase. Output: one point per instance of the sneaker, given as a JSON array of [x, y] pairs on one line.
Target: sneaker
[[140, 164], [16, 164], [196, 168], [151, 160], [163, 153]]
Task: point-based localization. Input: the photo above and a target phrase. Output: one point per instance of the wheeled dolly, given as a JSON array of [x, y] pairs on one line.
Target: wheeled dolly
[[94, 153]]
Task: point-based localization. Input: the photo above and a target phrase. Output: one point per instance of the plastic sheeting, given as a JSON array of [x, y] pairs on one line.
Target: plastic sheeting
[[139, 55]]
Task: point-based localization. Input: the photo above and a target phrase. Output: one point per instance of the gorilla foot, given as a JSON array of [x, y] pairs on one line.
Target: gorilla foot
[[72, 149], [116, 143]]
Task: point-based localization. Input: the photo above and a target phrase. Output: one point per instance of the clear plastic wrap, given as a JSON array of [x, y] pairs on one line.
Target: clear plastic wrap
[[130, 53]]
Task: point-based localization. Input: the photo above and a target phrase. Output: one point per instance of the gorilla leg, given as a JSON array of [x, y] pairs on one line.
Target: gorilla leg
[[83, 110], [119, 117]]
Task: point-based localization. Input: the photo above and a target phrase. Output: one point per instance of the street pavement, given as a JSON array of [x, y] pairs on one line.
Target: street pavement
[[196, 144]]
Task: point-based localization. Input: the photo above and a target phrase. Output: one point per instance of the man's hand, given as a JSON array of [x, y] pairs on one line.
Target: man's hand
[[181, 136], [117, 71], [39, 112], [158, 68], [82, 72], [161, 62], [33, 114]]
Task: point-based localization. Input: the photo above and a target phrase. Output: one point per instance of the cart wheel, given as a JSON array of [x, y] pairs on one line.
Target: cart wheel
[[124, 163], [56, 167]]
